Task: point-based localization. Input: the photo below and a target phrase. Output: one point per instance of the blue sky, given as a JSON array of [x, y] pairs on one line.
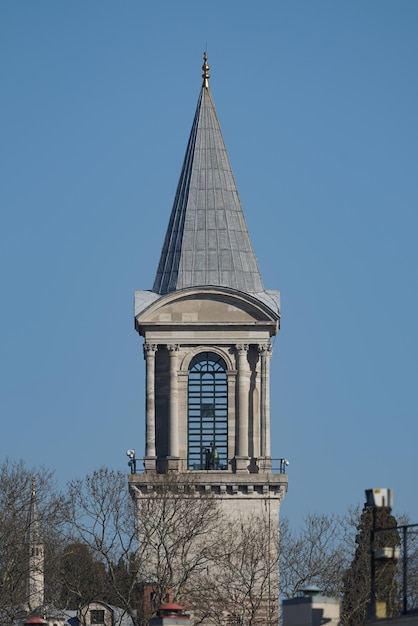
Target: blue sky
[[318, 105]]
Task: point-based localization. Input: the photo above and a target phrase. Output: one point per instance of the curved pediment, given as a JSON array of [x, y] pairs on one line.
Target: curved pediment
[[206, 305]]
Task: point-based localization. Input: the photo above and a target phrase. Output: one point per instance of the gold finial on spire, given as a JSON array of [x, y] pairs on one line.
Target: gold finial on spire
[[205, 68]]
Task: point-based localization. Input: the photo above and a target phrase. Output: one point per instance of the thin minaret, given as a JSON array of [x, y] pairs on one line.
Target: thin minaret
[[34, 541]]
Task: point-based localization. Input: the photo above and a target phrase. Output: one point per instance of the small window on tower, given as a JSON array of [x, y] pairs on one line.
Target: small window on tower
[[96, 617]]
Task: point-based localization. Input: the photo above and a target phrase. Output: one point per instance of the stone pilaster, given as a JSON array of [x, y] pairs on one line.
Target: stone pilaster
[[173, 442], [150, 452], [265, 351], [243, 386]]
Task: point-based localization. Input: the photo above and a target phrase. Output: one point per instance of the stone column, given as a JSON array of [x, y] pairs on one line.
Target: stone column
[[173, 442], [243, 399], [265, 353], [150, 453]]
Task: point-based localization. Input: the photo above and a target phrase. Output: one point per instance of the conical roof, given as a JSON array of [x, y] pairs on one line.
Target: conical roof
[[207, 240]]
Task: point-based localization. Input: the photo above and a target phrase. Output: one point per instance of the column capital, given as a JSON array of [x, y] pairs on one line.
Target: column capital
[[265, 348], [242, 347], [150, 348], [173, 347]]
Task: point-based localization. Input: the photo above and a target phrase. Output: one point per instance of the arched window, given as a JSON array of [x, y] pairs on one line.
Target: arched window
[[207, 413]]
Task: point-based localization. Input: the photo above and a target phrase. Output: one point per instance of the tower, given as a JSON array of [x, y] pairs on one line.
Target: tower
[[34, 541], [207, 325]]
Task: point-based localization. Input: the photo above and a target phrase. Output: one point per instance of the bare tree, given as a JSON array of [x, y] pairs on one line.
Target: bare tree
[[187, 549], [102, 517], [240, 586], [102, 545], [82, 577], [15, 494], [314, 554], [177, 528]]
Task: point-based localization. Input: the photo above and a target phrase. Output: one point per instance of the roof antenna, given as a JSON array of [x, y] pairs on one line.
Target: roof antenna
[[205, 68]]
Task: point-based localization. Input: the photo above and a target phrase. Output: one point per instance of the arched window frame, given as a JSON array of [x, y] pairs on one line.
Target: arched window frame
[[207, 401]]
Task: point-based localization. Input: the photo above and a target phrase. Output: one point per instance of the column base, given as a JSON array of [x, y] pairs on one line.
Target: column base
[[240, 464], [150, 463], [168, 464], [264, 463]]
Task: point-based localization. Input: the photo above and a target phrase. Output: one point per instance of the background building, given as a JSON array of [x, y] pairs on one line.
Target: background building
[[311, 608]]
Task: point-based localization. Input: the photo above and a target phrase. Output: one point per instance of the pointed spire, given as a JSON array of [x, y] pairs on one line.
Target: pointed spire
[[207, 240], [34, 534], [34, 528]]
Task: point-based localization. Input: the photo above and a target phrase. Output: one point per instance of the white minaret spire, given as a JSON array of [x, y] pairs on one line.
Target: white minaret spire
[[34, 541]]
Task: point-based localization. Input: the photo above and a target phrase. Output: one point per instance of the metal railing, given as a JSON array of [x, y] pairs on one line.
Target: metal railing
[[278, 465]]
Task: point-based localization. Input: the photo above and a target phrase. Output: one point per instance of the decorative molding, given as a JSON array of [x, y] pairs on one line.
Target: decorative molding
[[192, 351], [242, 490]]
